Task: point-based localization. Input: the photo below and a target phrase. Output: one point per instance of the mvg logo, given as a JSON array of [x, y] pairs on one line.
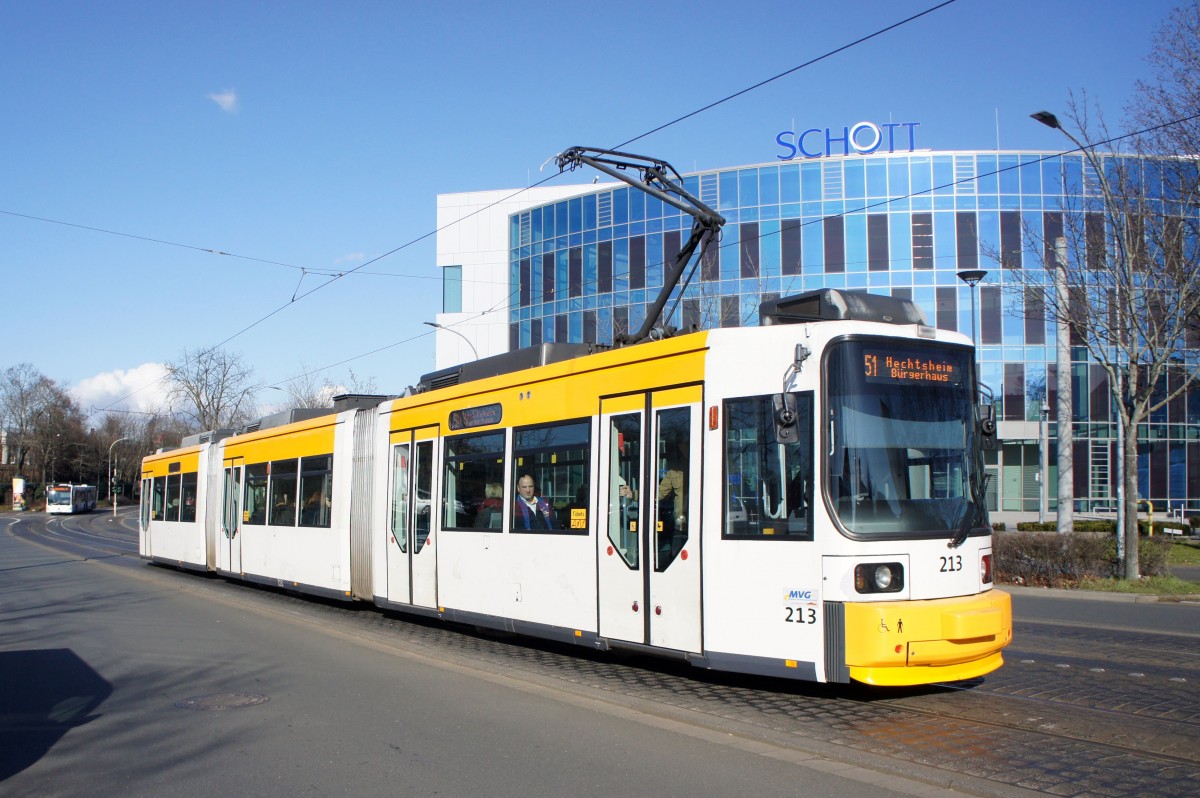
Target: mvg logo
[[797, 595]]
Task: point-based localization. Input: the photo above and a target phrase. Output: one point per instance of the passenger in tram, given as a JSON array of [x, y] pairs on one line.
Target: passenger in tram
[[672, 505], [532, 511], [671, 502], [492, 509], [624, 490], [310, 513], [284, 513]]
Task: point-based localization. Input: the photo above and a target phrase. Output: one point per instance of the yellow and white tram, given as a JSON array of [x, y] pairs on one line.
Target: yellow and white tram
[[802, 499]]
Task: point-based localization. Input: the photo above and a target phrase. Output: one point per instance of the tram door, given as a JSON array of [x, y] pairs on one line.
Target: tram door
[[411, 560], [649, 546], [231, 517]]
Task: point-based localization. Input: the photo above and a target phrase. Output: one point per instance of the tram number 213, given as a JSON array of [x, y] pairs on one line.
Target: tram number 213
[[952, 563], [800, 615]]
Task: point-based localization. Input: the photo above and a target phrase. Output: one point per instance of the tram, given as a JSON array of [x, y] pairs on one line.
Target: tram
[[803, 499], [70, 498]]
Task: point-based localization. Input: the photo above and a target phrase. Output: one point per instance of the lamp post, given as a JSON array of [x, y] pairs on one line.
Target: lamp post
[[437, 326], [1066, 479], [299, 402], [112, 498], [972, 277], [1043, 461]]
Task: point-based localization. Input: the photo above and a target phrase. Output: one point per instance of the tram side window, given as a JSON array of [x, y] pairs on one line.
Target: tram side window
[[316, 486], [174, 491], [145, 502], [673, 461], [283, 493], [556, 459], [187, 504], [625, 447], [254, 503], [399, 511], [158, 502], [474, 492], [768, 483], [423, 468]]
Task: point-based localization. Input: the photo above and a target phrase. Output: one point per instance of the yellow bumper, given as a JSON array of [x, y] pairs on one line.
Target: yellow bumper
[[921, 642]]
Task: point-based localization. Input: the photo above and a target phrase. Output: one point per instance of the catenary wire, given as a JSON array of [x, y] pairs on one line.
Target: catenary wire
[[819, 219], [333, 277], [509, 297]]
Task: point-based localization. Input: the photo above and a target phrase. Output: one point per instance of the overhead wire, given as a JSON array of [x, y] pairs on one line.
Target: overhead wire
[[867, 207], [297, 295], [650, 132], [923, 192]]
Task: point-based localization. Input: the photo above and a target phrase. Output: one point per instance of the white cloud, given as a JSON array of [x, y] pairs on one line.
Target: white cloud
[[351, 257], [228, 100], [140, 389]]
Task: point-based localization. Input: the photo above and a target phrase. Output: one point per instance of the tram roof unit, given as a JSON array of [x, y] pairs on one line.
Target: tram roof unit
[[832, 304], [505, 363]]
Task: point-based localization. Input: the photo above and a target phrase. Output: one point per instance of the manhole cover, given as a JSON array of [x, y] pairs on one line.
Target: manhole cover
[[222, 701]]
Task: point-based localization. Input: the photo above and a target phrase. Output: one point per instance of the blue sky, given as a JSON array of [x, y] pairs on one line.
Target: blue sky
[[303, 136]]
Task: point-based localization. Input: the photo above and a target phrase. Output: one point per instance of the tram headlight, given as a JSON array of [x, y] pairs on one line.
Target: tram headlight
[[887, 577], [985, 569]]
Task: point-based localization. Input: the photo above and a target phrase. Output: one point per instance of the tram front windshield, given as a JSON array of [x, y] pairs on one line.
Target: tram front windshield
[[901, 445]]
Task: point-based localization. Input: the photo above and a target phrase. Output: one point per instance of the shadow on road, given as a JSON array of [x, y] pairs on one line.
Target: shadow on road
[[46, 693]]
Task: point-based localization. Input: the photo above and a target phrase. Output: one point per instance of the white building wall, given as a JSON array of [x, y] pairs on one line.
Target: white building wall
[[473, 233]]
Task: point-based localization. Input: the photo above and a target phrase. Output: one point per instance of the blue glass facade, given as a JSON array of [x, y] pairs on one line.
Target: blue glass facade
[[587, 267]]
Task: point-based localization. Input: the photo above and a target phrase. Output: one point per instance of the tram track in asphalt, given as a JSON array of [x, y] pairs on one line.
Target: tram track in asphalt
[[961, 729], [72, 529], [71, 536], [1030, 725], [1092, 724]]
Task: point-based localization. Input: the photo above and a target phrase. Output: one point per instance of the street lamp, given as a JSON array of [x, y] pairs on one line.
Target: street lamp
[[1066, 487], [456, 332], [299, 402], [972, 277], [1043, 461], [111, 497]]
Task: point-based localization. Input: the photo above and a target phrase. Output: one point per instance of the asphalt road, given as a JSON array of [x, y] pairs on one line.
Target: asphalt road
[[134, 682]]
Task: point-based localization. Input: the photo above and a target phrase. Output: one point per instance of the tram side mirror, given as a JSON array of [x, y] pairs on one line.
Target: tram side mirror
[[786, 429], [987, 426]]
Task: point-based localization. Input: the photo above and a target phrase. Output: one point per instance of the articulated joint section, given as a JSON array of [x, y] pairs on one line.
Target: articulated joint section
[[922, 642]]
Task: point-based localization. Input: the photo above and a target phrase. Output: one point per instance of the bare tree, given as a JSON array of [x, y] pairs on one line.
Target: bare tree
[[46, 428], [1133, 267], [22, 401], [60, 445], [1168, 105], [211, 388], [307, 391]]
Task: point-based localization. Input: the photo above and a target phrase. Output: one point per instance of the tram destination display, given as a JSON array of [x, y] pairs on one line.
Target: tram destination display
[[902, 366]]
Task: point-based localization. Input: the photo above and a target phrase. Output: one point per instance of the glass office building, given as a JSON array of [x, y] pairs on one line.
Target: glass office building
[[585, 267]]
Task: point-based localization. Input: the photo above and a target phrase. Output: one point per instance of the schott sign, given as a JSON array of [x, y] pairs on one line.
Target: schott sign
[[862, 138]]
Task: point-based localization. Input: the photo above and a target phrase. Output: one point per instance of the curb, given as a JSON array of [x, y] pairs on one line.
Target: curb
[[1096, 595]]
